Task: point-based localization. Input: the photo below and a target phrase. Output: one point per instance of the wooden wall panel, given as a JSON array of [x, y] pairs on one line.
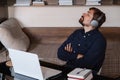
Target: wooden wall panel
[[59, 34]]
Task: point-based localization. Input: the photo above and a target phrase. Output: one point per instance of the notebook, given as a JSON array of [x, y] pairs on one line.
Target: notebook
[[26, 65], [80, 74]]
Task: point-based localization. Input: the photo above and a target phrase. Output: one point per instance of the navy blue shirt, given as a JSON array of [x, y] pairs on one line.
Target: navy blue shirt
[[91, 44]]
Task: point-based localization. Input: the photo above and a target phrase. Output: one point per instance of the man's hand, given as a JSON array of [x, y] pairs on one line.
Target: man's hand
[[79, 56], [68, 48]]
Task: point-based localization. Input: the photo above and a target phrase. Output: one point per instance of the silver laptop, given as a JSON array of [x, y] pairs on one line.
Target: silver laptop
[[26, 65]]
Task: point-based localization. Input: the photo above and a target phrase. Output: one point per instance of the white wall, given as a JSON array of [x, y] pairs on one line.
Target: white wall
[[60, 16]]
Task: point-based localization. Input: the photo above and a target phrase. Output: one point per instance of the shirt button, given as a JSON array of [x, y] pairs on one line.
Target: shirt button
[[73, 51], [84, 36], [88, 34], [78, 44]]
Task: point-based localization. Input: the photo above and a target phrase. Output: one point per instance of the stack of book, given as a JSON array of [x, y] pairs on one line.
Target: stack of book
[[80, 74], [107, 2], [93, 2], [65, 2], [38, 3], [23, 3], [79, 2], [52, 2]]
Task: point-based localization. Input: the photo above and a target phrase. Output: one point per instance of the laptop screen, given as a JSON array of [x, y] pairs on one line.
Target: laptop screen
[[26, 63]]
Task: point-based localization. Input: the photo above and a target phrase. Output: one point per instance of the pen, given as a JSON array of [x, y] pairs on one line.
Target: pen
[[81, 71]]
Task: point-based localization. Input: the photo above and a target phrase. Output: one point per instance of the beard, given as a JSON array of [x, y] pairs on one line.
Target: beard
[[81, 20]]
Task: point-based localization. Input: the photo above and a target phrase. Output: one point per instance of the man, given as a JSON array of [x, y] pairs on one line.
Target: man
[[85, 47]]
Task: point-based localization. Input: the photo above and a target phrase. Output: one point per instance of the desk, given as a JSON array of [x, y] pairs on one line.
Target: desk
[[59, 67], [98, 77], [4, 69]]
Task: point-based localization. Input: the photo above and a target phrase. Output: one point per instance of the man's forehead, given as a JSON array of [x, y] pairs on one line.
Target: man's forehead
[[91, 11]]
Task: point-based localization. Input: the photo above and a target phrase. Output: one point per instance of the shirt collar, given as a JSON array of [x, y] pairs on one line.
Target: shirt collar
[[90, 32]]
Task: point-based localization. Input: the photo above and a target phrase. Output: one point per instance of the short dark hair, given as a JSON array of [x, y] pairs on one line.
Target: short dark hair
[[97, 14]]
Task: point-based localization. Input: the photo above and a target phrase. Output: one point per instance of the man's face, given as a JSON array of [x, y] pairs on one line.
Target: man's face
[[86, 18]]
